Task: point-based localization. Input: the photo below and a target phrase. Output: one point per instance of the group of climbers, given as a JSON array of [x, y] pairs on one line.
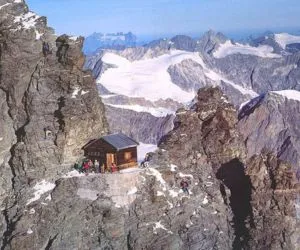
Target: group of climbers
[[88, 166]]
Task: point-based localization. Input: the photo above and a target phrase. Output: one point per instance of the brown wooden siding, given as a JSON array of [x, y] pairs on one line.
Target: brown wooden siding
[[121, 159], [99, 149]]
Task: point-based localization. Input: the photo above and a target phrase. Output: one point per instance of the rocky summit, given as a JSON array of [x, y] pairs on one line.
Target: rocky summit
[[204, 188], [49, 108]]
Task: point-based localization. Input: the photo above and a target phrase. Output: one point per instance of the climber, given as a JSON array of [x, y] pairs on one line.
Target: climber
[[46, 49], [184, 186], [97, 166], [145, 162], [114, 168]]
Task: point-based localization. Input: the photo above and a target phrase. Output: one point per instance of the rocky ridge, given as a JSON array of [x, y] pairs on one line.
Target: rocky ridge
[[49, 107]]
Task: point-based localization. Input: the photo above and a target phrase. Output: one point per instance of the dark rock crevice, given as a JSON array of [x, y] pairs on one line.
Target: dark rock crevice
[[233, 177]]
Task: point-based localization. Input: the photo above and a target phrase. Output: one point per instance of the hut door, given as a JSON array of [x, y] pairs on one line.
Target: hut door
[[110, 159]]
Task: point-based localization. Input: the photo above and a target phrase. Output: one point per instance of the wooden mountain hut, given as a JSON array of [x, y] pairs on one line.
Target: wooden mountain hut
[[116, 148]]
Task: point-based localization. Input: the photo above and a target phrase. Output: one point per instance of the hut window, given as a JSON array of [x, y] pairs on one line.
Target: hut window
[[127, 155]]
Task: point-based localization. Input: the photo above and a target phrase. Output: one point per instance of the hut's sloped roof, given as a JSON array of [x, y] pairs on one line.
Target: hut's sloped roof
[[120, 141]]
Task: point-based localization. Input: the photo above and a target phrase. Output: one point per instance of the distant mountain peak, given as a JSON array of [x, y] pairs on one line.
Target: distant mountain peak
[[117, 41]]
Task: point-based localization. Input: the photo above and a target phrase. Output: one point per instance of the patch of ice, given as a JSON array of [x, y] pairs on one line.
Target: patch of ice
[[173, 167], [143, 149], [84, 92], [283, 39], [132, 191], [181, 175], [289, 94], [205, 200], [29, 231], [157, 112], [41, 188], [228, 48]]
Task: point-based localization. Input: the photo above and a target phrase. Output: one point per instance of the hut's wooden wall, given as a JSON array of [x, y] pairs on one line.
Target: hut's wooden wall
[[121, 156], [99, 149]]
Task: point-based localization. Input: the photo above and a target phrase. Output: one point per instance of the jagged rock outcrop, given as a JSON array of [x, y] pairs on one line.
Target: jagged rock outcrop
[[274, 116], [50, 107], [141, 126]]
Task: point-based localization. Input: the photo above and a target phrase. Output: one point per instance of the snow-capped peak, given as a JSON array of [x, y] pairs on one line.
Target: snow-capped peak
[[284, 39], [229, 48], [289, 94]]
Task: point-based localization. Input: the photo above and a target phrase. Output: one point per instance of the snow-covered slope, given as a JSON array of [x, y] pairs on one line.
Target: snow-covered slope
[[228, 48], [146, 78], [284, 39], [150, 79], [289, 94]]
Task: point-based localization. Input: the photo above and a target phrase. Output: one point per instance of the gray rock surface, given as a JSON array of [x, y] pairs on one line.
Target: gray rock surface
[[141, 126], [276, 118], [49, 107]]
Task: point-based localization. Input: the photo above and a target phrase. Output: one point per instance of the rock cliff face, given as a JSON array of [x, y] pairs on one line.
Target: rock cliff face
[[275, 116], [49, 106], [141, 126]]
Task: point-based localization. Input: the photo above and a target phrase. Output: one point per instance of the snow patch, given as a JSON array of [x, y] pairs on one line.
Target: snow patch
[[73, 173], [32, 211], [157, 112], [173, 168], [228, 48], [173, 193], [75, 92], [147, 78], [157, 174], [1, 138], [284, 39], [4, 5], [29, 231], [143, 149], [205, 200], [48, 198], [289, 94], [132, 191], [158, 225], [41, 188], [27, 20], [159, 193], [73, 38], [38, 35], [181, 175]]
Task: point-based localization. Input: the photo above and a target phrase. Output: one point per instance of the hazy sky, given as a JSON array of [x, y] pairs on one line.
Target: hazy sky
[[150, 17]]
